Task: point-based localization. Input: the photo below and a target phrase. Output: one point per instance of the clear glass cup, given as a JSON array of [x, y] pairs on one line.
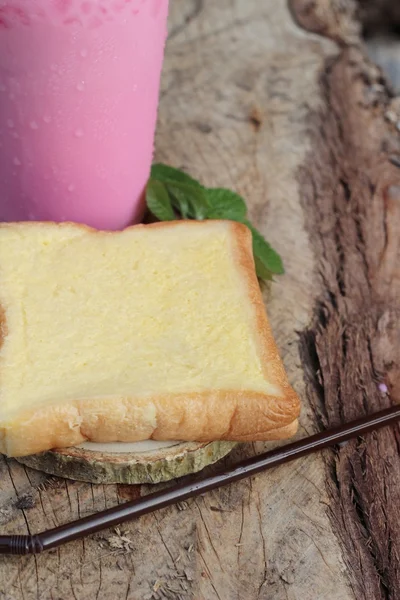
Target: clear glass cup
[[79, 87]]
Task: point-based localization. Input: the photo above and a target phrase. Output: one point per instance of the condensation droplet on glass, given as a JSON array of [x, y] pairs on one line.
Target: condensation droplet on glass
[[135, 87], [78, 133], [47, 119], [10, 123], [84, 53], [81, 86], [16, 161], [34, 125], [71, 187], [15, 135]]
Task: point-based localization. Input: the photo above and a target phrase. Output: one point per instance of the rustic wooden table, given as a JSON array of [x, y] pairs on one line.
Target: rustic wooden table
[[283, 106]]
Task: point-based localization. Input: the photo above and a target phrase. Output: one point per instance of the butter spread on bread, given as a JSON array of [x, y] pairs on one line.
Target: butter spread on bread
[[155, 332]]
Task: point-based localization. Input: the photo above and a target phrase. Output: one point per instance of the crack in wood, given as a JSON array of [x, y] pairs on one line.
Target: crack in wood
[[263, 541], [191, 16], [209, 576], [209, 535]]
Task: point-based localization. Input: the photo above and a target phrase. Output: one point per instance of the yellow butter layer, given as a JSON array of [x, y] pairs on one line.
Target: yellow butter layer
[[135, 313]]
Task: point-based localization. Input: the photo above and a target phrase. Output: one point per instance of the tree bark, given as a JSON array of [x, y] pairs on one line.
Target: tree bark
[[351, 190]]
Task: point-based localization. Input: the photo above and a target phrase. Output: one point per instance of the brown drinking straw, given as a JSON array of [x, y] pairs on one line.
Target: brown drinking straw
[[34, 544]]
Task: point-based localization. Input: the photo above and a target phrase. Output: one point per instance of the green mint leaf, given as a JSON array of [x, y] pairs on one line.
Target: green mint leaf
[[266, 258], [190, 201], [225, 204], [158, 201], [180, 202], [187, 195], [167, 174], [262, 271]]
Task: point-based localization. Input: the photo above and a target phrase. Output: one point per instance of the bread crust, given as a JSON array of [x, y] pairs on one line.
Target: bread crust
[[203, 417]]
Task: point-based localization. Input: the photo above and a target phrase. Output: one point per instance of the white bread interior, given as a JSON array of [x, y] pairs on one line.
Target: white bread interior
[[156, 332]]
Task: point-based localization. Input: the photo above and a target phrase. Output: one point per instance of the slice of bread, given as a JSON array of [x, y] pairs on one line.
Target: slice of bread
[[156, 332]]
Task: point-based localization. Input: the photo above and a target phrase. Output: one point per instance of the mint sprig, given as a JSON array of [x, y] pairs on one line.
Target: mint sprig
[[264, 254], [225, 204], [158, 201], [167, 174], [190, 201], [172, 193]]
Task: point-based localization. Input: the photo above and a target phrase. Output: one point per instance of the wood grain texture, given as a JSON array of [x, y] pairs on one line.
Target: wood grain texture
[[296, 123]]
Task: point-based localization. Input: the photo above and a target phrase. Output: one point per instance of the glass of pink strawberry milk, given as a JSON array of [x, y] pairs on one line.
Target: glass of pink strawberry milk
[[79, 86]]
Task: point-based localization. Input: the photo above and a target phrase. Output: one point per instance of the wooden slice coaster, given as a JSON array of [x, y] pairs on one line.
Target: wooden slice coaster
[[134, 463]]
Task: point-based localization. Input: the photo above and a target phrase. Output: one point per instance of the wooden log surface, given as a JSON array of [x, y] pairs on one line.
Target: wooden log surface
[[280, 104]]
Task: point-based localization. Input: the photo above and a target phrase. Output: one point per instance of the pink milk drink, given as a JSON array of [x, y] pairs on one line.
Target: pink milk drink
[[79, 86]]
